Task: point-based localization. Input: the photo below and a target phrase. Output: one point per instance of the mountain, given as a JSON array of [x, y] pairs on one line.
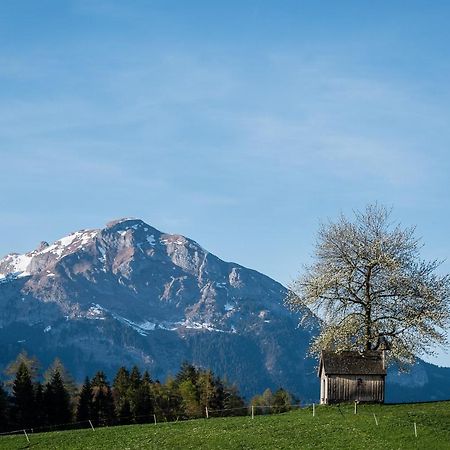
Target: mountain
[[130, 294]]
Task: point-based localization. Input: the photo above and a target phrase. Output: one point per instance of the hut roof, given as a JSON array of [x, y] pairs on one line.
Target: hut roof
[[352, 363]]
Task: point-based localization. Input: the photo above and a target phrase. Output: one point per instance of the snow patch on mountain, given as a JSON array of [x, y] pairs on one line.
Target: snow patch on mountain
[[207, 326], [69, 244], [142, 331], [102, 251], [18, 265], [229, 307], [147, 325], [15, 265], [95, 312]]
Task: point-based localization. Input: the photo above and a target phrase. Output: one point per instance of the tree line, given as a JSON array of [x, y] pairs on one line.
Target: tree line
[[30, 401]]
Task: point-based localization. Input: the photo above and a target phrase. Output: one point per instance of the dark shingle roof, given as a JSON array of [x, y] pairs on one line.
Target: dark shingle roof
[[352, 363]]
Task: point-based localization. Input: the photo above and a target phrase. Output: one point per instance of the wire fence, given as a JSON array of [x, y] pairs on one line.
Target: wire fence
[[160, 417], [344, 413]]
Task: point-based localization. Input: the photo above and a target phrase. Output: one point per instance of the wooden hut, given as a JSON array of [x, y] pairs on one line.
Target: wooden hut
[[352, 376]]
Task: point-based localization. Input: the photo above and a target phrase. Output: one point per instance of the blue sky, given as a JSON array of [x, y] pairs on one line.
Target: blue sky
[[239, 124]]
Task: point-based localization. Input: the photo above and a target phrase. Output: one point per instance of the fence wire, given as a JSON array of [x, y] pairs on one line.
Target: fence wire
[[344, 412]]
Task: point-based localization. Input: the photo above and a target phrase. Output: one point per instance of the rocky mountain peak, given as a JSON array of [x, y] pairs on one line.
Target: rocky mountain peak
[[129, 224], [130, 233], [128, 260], [125, 223], [43, 245]]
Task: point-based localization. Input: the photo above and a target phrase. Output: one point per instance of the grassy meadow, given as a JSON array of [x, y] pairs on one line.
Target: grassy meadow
[[332, 427]]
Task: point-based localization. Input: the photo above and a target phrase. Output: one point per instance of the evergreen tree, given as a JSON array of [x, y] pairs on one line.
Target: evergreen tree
[[57, 401], [167, 400], [85, 399], [67, 379], [146, 378], [121, 393], [103, 402], [124, 414], [40, 418], [23, 410], [134, 391], [30, 362], [135, 378], [4, 409], [144, 405], [187, 372], [219, 393]]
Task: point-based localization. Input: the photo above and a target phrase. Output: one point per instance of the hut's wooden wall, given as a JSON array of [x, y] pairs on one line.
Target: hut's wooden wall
[[348, 388]]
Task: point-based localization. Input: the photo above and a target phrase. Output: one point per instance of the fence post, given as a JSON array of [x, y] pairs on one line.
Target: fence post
[[253, 412], [207, 413], [415, 429], [92, 426], [154, 418], [356, 406], [26, 435], [314, 410]]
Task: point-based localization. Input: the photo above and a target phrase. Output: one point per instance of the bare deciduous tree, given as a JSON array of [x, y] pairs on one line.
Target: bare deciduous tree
[[371, 289]]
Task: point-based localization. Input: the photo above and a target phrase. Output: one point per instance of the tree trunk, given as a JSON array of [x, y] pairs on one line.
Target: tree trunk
[[368, 312]]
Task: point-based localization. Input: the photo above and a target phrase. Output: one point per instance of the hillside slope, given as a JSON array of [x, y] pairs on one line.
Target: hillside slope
[[331, 428]]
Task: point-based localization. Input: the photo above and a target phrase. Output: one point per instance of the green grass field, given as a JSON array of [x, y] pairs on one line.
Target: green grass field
[[331, 428]]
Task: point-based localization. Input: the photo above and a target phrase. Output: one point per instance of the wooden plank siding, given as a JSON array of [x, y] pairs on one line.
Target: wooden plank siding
[[349, 375], [345, 388]]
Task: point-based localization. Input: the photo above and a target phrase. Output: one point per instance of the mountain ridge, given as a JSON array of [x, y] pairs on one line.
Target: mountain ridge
[[130, 294]]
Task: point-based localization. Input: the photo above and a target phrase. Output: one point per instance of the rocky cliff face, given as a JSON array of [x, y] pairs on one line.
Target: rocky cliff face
[[129, 294]]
